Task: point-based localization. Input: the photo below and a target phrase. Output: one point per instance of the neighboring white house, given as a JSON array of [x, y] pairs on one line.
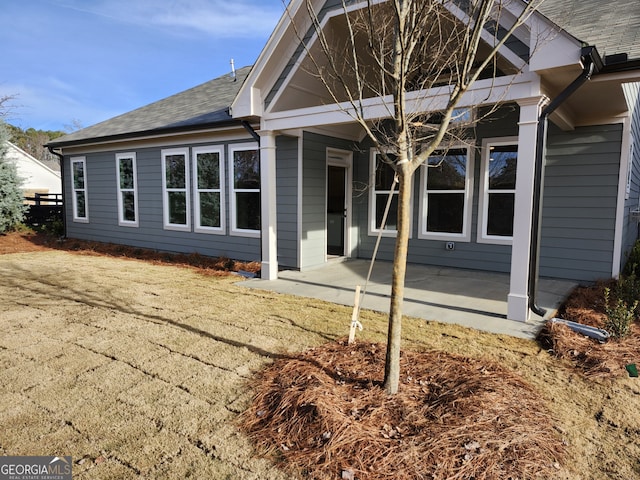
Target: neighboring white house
[[38, 178]]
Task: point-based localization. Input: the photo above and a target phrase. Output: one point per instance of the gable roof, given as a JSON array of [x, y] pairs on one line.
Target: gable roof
[[18, 155], [203, 106], [613, 27]]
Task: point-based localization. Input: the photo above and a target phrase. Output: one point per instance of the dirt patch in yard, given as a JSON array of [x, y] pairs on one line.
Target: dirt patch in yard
[[31, 241], [594, 359], [139, 370]]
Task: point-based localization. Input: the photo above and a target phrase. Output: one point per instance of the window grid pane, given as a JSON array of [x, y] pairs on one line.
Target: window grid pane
[[177, 207], [446, 184], [208, 166], [445, 212], [128, 206], [384, 181], [209, 209], [126, 174], [500, 167], [176, 171], [246, 189]]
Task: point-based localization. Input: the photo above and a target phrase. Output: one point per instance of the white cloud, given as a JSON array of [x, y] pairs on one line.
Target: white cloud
[[50, 108], [215, 18]]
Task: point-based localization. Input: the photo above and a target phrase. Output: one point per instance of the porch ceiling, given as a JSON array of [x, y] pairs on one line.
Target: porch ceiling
[[305, 88], [598, 100]]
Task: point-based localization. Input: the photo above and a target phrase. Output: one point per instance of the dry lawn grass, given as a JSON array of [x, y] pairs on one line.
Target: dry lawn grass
[[142, 371]]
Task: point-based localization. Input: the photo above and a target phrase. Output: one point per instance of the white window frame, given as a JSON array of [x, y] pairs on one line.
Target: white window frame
[[74, 190], [465, 235], [234, 230], [373, 193], [121, 220], [483, 203], [165, 191], [219, 149]]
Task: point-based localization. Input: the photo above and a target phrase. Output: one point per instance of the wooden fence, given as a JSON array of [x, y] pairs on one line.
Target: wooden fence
[[43, 208]]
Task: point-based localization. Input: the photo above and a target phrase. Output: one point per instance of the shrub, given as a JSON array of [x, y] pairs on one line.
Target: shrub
[[633, 260], [619, 316], [12, 208], [627, 289]]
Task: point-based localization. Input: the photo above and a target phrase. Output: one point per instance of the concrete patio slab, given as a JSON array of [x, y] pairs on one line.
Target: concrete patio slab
[[470, 298]]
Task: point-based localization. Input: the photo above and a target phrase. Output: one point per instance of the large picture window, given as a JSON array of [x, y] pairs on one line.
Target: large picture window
[[127, 189], [382, 181], [208, 174], [79, 189], [245, 190], [497, 199], [446, 194], [175, 187]]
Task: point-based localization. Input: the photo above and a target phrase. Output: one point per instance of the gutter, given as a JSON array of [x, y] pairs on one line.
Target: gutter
[[158, 132], [64, 206], [591, 64]]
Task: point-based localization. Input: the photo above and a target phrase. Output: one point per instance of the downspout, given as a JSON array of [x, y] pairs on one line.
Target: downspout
[[591, 63], [247, 126], [64, 197]]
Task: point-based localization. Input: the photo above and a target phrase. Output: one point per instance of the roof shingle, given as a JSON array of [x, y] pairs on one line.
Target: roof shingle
[[201, 105]]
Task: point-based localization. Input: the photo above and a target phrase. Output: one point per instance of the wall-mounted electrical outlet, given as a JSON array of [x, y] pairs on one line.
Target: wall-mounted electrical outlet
[[450, 246]]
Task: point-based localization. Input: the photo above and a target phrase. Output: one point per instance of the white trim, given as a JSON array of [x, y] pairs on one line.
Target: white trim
[[626, 163], [221, 135], [300, 190], [165, 191], [373, 193], [195, 151], [234, 230], [121, 220], [518, 297], [341, 158], [465, 235], [488, 91], [74, 190], [483, 192]]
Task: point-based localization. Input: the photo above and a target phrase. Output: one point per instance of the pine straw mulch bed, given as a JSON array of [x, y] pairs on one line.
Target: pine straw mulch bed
[[594, 359], [324, 415], [20, 242]]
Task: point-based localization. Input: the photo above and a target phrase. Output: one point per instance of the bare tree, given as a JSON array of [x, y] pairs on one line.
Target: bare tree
[[5, 105], [416, 59]]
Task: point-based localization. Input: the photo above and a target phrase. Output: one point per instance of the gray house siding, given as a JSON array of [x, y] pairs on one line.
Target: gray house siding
[[103, 215], [313, 249], [631, 229], [580, 197], [287, 200]]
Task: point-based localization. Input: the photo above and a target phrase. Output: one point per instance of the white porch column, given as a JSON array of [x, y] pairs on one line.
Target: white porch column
[[518, 299], [269, 268]]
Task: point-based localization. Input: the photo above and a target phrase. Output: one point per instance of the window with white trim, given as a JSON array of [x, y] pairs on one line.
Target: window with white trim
[[175, 189], [127, 189], [244, 194], [208, 192], [382, 181], [498, 190], [79, 189], [446, 186]]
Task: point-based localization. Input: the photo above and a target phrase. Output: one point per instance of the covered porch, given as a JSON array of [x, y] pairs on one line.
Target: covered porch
[[470, 298]]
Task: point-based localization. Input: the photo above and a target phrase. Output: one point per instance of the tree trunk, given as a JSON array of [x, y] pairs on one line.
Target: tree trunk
[[392, 360]]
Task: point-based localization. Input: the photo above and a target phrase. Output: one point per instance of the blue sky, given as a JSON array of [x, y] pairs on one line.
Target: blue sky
[[84, 61]]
